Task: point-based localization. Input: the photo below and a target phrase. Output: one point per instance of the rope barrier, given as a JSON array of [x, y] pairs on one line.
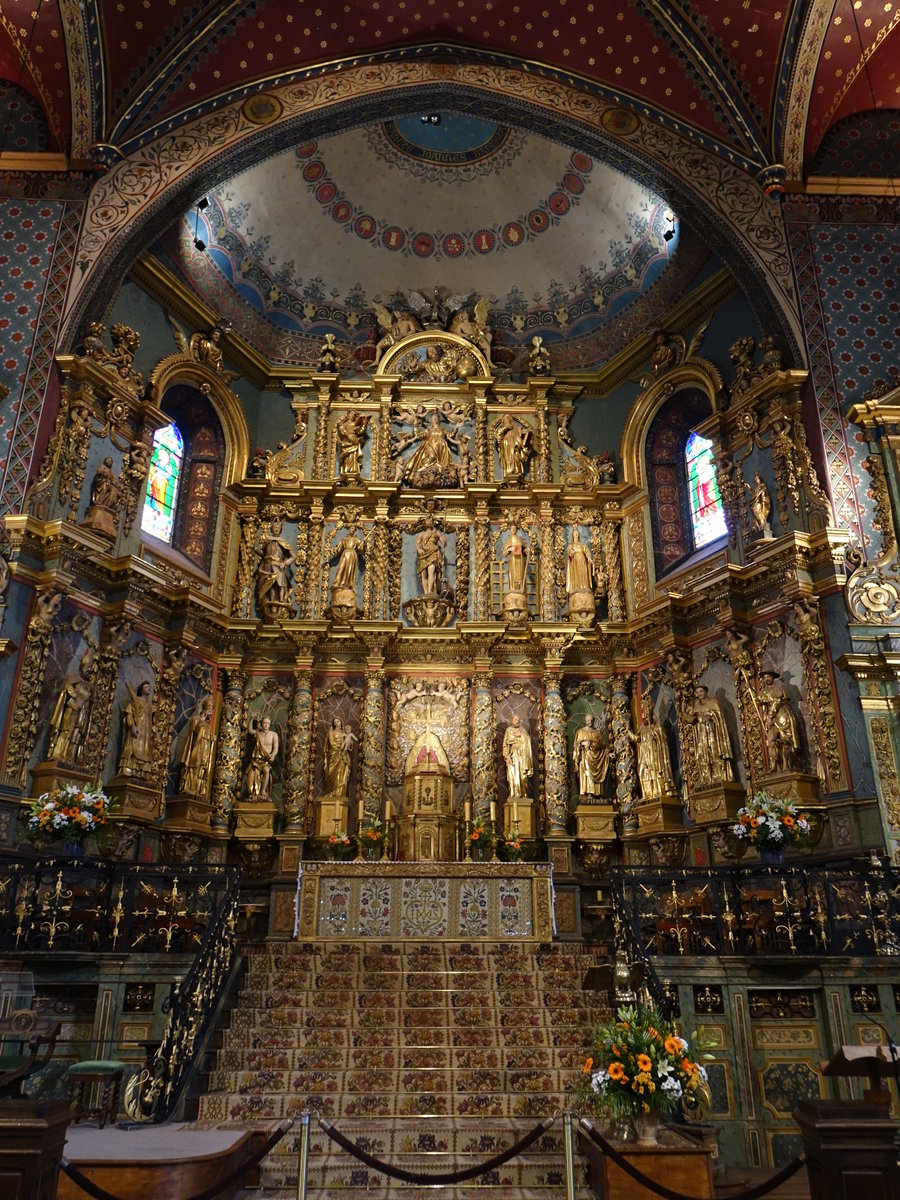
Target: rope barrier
[[445, 1180], [99, 1193], [761, 1189]]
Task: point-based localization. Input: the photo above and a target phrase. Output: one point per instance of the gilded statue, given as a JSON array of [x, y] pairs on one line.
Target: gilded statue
[[338, 744], [265, 746], [430, 544], [71, 714], [712, 743], [515, 556], [653, 762], [780, 724], [395, 326], [579, 566], [590, 758], [513, 447], [439, 364], [198, 749], [105, 486], [137, 732], [474, 329], [273, 584], [351, 431], [348, 549], [538, 357], [519, 760], [206, 348], [760, 505], [328, 359], [431, 463]]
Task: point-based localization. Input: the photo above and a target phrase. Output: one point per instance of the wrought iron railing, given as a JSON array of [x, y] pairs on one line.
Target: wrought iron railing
[[94, 906], [793, 910]]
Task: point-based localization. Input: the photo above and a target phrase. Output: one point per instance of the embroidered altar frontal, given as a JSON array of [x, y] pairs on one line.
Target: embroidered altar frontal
[[452, 901]]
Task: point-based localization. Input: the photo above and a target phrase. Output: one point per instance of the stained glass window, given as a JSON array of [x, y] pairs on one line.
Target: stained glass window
[[162, 483], [707, 510]]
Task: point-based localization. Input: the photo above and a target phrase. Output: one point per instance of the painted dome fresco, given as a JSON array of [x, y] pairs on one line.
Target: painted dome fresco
[[308, 240]]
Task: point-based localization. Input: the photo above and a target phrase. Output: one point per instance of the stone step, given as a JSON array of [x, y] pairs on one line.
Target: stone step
[[313, 1058], [390, 1189], [220, 1106], [372, 1080], [346, 1172]]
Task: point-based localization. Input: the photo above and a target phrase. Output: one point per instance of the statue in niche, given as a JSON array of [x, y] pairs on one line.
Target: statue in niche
[[538, 357], [441, 364], [264, 751], [760, 506], [137, 732], [514, 558], [348, 548], [513, 448], [395, 326], [712, 743], [517, 755], [105, 491], [273, 584], [436, 607], [71, 714], [653, 762], [781, 727], [580, 580], [590, 758], [197, 751], [338, 744], [351, 431], [430, 465]]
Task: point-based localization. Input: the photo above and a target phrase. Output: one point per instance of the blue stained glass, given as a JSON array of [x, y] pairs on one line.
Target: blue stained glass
[[707, 510], [158, 518]]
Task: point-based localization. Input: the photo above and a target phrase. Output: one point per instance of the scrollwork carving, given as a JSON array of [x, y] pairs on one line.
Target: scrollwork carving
[[24, 726]]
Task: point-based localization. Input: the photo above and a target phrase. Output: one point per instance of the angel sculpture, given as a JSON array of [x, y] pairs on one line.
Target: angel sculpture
[[396, 325], [671, 350], [474, 330], [204, 348]]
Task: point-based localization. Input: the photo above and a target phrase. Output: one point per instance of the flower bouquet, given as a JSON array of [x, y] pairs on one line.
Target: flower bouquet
[[478, 839], [640, 1068], [68, 814], [771, 825], [371, 838], [339, 844], [512, 849]]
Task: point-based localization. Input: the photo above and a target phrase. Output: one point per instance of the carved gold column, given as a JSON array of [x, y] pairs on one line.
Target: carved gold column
[[23, 726], [382, 470], [483, 463], [314, 601], [321, 466], [242, 600], [482, 606], [462, 571], [372, 733], [113, 639], [556, 783], [227, 776], [164, 713], [623, 751], [549, 562], [739, 647], [297, 759], [484, 769], [612, 555], [819, 694], [542, 462]]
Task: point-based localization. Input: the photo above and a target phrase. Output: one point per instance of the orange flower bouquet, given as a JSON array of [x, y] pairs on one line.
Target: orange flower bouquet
[[68, 813], [639, 1064]]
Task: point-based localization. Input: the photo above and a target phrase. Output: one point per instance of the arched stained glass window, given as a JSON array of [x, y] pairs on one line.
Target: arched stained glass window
[[162, 483], [707, 510]]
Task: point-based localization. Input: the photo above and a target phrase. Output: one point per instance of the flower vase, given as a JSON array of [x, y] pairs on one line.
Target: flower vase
[[73, 849], [646, 1127], [771, 857]]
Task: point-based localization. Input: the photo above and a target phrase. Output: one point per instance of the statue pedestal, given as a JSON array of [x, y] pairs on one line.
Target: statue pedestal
[[255, 820], [595, 822], [134, 799], [46, 776], [525, 818], [796, 786], [102, 520], [331, 809], [713, 805], [582, 608], [662, 815], [189, 813], [515, 607]]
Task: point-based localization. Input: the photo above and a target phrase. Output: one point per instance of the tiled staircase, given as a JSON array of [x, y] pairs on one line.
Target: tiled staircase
[[432, 1057]]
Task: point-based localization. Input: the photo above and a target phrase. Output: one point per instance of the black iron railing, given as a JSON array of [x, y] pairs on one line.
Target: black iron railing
[[793, 910], [90, 905]]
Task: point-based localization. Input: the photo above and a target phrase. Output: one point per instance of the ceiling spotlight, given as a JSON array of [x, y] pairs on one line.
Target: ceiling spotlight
[[200, 244], [430, 118], [670, 232], [198, 240], [203, 204]]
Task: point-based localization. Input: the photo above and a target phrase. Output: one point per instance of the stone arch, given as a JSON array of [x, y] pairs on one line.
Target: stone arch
[[143, 194]]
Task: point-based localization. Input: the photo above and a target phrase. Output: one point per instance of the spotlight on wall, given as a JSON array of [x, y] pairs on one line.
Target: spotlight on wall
[[670, 231], [202, 206], [430, 118]]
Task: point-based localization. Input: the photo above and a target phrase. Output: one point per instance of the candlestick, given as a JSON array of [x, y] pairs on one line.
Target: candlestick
[[361, 811], [467, 810]]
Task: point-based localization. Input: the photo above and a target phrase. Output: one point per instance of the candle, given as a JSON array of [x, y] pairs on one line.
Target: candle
[[467, 808], [361, 811], [515, 812], [387, 811], [493, 812]]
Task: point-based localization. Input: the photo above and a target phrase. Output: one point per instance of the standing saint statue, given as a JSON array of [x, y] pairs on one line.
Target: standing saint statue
[[430, 545], [519, 760], [198, 749], [137, 733], [712, 743], [590, 759], [71, 714], [760, 505], [338, 744], [653, 762], [348, 548], [580, 566], [780, 725], [273, 583], [515, 555], [351, 430], [513, 450], [258, 779]]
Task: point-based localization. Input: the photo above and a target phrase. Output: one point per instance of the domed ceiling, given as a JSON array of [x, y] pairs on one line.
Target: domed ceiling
[[309, 240]]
